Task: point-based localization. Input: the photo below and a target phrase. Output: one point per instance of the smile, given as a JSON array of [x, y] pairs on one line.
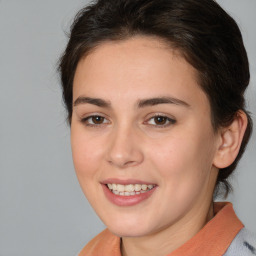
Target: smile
[[127, 193], [130, 189]]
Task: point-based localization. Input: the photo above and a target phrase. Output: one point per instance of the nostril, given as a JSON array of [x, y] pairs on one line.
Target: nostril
[[123, 164]]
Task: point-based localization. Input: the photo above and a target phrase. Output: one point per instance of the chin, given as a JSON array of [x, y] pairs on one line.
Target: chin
[[128, 233], [134, 229]]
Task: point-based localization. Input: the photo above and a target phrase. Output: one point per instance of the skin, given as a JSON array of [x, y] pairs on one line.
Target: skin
[[180, 157]]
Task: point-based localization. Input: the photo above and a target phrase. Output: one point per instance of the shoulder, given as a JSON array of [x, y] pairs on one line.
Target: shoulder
[[105, 243], [244, 244]]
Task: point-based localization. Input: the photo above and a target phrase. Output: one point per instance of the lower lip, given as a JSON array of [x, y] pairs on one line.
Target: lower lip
[[127, 200]]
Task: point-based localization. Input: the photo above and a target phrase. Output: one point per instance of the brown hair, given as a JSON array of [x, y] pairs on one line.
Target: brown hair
[[207, 37]]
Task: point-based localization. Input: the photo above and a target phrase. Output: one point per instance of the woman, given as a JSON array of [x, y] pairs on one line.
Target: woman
[[155, 98]]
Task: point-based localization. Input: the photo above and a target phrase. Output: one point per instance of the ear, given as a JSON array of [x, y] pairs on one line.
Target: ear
[[230, 139]]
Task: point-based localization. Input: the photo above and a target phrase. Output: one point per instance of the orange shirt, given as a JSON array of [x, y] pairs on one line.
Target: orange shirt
[[212, 240]]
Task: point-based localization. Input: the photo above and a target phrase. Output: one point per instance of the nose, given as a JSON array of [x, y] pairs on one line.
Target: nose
[[125, 149]]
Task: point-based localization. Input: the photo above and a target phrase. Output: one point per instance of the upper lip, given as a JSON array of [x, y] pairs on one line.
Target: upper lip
[[126, 181]]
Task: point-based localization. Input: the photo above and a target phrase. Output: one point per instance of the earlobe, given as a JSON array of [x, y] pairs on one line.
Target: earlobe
[[230, 141]]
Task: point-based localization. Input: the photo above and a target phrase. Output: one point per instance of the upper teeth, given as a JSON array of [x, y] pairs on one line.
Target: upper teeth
[[129, 187]]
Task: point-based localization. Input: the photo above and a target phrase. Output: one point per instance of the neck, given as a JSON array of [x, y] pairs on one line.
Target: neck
[[168, 239]]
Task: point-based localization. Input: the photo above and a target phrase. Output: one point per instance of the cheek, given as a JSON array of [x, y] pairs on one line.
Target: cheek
[[87, 158], [86, 153], [183, 160], [184, 171]]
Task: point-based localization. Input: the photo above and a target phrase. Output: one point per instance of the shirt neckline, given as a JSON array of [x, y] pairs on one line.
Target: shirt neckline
[[212, 240]]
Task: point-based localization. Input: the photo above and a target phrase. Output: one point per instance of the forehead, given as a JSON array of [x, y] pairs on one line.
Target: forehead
[[145, 65]]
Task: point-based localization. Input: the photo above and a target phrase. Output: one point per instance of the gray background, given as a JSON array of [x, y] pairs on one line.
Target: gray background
[[42, 209]]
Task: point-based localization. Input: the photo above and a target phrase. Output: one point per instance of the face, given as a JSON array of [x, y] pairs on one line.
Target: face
[[142, 140]]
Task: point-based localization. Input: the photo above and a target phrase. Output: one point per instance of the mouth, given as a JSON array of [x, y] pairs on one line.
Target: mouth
[[129, 189], [127, 192]]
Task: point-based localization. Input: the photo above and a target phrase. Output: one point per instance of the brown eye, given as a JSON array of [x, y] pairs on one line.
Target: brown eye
[[160, 120], [97, 120]]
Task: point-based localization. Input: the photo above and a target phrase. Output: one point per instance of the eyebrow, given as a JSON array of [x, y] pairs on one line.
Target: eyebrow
[[94, 101], [140, 104], [162, 100]]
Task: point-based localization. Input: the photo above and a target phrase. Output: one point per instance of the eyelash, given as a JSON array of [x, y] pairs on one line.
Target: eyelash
[[166, 118], [170, 121], [86, 121]]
